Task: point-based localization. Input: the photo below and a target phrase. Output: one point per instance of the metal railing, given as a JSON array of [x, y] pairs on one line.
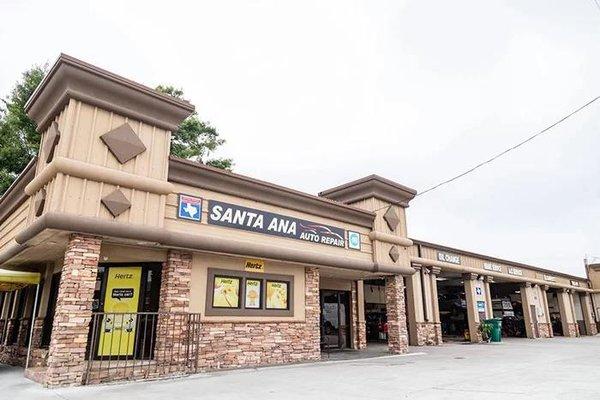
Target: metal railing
[[142, 345]]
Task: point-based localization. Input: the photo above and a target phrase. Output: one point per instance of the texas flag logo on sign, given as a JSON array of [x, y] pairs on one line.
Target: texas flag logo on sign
[[190, 208]]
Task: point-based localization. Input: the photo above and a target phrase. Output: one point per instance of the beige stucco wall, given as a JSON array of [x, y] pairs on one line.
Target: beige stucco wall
[[15, 223], [202, 262], [81, 126], [475, 262]]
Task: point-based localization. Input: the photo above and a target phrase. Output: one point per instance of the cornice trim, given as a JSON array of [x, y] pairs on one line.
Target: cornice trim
[[96, 173], [70, 78], [201, 242], [388, 238]]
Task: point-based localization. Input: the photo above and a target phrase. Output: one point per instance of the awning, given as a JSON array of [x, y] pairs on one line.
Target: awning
[[15, 280]]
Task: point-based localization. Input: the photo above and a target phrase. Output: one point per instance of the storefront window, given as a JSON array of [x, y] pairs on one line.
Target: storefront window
[[277, 295], [253, 293], [226, 292], [241, 293]]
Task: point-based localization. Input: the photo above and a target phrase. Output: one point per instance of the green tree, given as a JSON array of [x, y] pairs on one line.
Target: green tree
[[19, 140], [196, 139]]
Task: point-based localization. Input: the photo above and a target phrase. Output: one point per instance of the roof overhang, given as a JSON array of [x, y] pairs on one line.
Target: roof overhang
[[70, 78], [368, 187]]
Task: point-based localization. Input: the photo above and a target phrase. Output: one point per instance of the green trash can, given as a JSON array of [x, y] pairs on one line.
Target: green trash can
[[496, 324]]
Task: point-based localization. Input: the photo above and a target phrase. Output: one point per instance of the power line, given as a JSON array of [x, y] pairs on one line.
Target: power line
[[530, 138], [597, 3]]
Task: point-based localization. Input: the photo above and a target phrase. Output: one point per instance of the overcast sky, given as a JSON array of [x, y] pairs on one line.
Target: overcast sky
[[310, 95]]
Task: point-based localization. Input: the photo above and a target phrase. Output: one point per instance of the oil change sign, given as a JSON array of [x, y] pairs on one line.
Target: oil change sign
[[250, 219], [117, 333]]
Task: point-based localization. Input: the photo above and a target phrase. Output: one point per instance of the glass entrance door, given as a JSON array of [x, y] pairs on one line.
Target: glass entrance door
[[335, 319]]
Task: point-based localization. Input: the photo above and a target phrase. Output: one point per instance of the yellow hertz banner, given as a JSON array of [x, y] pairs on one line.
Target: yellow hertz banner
[[117, 332]]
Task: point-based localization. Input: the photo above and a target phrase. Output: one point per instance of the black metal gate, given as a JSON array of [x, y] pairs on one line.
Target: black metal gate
[[142, 345]]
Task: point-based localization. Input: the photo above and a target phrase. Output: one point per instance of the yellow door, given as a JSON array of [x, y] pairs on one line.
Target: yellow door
[[121, 299]]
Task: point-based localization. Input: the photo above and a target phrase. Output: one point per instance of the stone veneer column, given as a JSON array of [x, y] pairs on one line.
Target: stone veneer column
[[435, 271], [359, 329], [312, 312], [572, 302], [66, 358], [172, 329], [396, 314], [548, 331], [588, 316]]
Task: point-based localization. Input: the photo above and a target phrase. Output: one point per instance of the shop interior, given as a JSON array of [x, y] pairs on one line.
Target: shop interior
[[554, 312], [508, 305], [375, 311], [453, 308]]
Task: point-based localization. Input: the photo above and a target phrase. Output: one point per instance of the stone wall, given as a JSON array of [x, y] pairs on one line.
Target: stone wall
[[573, 330], [429, 334], [545, 330], [235, 345], [359, 329]]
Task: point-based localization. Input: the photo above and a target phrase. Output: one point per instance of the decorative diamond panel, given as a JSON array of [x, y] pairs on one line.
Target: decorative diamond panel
[[123, 143], [391, 218], [50, 142], [394, 253], [116, 203]]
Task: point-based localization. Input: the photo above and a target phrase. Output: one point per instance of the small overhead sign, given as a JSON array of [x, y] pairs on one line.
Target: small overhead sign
[[254, 265], [575, 283], [549, 278], [190, 208], [448, 257], [492, 267], [515, 271], [353, 240]]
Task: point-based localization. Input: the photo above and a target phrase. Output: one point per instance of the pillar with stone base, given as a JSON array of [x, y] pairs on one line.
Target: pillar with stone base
[[170, 349], [546, 330], [396, 314], [471, 284], [73, 312], [359, 336], [567, 318], [588, 316], [435, 271]]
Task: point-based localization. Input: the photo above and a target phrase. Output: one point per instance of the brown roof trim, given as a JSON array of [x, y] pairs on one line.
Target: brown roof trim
[[494, 259], [195, 174], [15, 194], [371, 186], [72, 78], [200, 241]]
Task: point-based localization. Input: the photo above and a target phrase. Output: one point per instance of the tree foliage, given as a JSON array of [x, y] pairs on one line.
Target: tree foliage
[[19, 140], [196, 139]]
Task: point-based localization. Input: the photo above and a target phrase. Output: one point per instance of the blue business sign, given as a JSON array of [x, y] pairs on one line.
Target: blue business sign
[[190, 208], [353, 240]]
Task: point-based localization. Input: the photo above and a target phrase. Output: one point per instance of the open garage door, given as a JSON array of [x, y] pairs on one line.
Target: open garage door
[[453, 308], [507, 304]]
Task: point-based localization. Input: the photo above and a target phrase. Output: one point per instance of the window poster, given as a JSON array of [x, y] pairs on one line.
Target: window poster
[[253, 290], [117, 336], [277, 295], [226, 292]]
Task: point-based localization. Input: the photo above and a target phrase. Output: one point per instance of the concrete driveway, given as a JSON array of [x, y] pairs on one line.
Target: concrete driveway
[[516, 369]]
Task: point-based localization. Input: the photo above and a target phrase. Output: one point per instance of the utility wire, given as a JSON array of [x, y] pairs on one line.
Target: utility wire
[[530, 138], [597, 3]]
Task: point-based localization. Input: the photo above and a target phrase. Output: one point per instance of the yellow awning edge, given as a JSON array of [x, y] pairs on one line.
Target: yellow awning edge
[[15, 280]]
